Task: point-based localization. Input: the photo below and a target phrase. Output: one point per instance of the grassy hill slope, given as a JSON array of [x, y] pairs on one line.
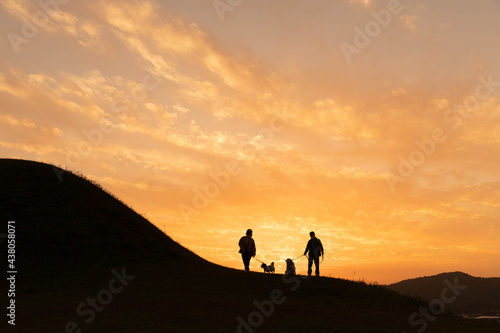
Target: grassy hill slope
[[88, 263]]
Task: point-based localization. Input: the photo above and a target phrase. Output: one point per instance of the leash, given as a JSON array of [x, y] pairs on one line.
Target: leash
[[322, 257], [259, 260]]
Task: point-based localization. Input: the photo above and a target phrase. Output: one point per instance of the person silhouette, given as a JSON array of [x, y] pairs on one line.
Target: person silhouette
[[247, 249], [315, 249]]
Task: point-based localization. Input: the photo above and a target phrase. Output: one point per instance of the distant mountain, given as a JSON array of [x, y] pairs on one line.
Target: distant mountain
[[86, 262], [473, 294]]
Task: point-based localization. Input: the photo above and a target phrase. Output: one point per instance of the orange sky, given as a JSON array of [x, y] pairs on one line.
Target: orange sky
[[373, 123]]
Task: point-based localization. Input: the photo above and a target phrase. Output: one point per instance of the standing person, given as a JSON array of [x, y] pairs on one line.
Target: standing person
[[247, 249], [315, 249]]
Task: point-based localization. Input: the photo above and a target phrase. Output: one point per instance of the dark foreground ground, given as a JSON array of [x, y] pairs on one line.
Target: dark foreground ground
[[87, 263], [171, 297]]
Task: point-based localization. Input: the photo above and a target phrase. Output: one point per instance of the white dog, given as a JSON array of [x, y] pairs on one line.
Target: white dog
[[268, 269], [290, 267]]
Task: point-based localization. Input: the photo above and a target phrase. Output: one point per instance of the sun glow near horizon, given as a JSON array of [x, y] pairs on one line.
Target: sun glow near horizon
[[209, 127]]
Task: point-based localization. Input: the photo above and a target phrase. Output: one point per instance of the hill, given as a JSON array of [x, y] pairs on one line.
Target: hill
[[477, 294], [86, 262]]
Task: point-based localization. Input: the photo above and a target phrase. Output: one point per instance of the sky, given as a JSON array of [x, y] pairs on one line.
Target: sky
[[373, 123]]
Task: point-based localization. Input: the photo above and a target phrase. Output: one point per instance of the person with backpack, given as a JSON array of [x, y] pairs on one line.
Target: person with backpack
[[315, 249], [247, 249]]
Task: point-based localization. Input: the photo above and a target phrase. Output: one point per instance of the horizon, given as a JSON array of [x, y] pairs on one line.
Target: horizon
[[372, 123], [301, 266]]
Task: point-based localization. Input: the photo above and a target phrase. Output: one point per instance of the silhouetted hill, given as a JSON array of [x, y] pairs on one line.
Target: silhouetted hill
[[87, 263], [74, 223], [476, 295]]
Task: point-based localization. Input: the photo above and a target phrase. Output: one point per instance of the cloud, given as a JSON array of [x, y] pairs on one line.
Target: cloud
[[366, 3], [23, 134], [18, 9], [410, 21]]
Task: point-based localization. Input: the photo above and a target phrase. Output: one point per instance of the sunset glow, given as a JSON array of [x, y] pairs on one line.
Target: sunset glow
[[375, 124]]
